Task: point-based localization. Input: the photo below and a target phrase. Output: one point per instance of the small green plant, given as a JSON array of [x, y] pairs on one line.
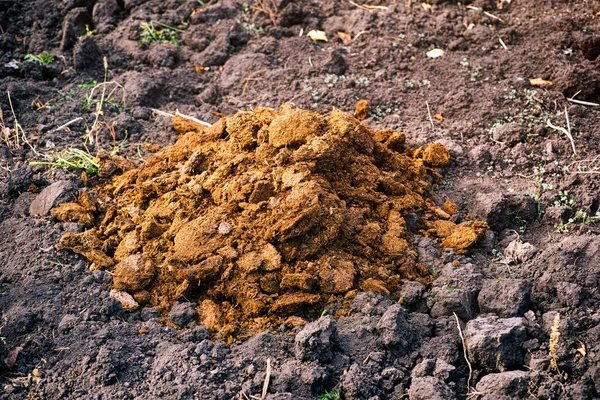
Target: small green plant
[[42, 58], [584, 217], [150, 34], [89, 85], [450, 287], [330, 395], [564, 200], [71, 158], [498, 256], [562, 227], [324, 313], [580, 216]]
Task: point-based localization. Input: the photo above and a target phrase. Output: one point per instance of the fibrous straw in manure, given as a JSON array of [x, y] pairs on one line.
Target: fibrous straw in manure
[[265, 215]]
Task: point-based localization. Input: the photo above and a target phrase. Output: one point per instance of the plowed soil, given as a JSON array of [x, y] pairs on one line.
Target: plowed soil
[[352, 253]]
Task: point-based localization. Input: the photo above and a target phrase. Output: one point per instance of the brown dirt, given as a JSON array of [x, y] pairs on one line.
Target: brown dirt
[[267, 214]]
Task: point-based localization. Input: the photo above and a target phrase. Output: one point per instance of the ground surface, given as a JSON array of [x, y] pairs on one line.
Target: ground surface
[[65, 337]]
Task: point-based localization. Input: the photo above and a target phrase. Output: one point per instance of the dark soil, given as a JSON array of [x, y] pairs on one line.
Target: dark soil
[[535, 273]]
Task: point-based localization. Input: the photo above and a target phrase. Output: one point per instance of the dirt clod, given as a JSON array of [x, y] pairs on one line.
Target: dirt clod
[[267, 221], [436, 155]]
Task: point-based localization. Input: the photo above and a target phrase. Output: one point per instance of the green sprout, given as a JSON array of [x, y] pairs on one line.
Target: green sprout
[[330, 395], [42, 58], [89, 85], [150, 34], [71, 158]]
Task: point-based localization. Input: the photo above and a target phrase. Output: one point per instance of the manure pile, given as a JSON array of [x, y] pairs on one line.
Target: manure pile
[[266, 217]]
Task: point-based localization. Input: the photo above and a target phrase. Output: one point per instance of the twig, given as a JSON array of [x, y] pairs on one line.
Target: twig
[[429, 113], [251, 77], [177, 113], [493, 16], [464, 345], [502, 43], [267, 379], [368, 7], [583, 103], [471, 7], [563, 130], [196, 120], [67, 124], [568, 124], [98, 105]]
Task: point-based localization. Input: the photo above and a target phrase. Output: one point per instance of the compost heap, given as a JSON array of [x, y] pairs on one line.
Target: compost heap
[[264, 217]]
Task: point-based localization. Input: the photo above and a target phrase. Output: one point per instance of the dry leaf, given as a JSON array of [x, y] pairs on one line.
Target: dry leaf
[[344, 37], [426, 6], [439, 117], [435, 53], [317, 35], [581, 350], [539, 82]]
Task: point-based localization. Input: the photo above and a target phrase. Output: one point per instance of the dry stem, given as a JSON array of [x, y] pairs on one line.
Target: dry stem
[[464, 345]]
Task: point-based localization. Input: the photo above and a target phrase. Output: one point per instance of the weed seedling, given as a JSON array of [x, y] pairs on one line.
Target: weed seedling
[[150, 34], [42, 58], [330, 395], [71, 158]]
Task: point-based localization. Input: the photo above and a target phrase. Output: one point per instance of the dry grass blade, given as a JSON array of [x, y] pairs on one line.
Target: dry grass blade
[[265, 388], [268, 7], [583, 103], [554, 338], [588, 166], [429, 114], [177, 113], [368, 7], [565, 131], [464, 345], [65, 125]]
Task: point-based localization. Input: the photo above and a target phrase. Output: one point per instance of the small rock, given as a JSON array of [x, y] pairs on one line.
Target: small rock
[[505, 297], [504, 386], [225, 228], [494, 343], [182, 314], [430, 388], [126, 300], [51, 196], [316, 340]]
